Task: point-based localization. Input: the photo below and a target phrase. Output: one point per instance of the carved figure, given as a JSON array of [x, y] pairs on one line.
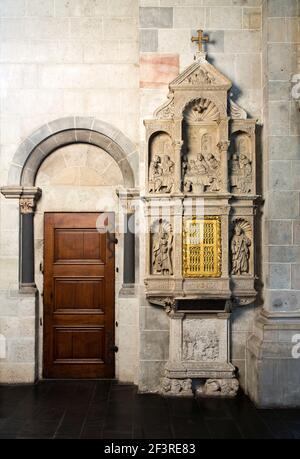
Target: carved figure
[[240, 252], [161, 251], [155, 173], [175, 386], [161, 174], [180, 387], [241, 169], [167, 173], [165, 384], [246, 174], [219, 388], [201, 164], [214, 172]]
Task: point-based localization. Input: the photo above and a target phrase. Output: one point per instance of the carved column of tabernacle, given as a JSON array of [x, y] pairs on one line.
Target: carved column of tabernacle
[[177, 153], [223, 149]]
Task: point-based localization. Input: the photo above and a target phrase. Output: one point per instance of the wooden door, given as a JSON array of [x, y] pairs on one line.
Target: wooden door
[[78, 296]]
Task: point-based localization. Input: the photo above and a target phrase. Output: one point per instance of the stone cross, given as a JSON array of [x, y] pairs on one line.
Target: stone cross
[[200, 39]]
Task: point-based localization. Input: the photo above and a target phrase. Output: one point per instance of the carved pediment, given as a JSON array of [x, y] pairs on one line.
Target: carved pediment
[[201, 74]]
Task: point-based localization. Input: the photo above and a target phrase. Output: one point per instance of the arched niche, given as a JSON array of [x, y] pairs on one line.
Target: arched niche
[[201, 135], [161, 157], [241, 158]]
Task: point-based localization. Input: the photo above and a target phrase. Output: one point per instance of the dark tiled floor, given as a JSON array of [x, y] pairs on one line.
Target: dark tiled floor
[[105, 409]]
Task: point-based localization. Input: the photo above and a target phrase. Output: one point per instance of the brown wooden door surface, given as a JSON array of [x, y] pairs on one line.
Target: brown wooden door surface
[[78, 297]]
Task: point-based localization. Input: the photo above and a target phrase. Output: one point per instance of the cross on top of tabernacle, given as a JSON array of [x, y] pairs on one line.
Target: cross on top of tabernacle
[[200, 39]]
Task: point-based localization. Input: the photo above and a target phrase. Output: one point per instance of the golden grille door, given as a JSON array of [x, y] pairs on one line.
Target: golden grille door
[[202, 247]]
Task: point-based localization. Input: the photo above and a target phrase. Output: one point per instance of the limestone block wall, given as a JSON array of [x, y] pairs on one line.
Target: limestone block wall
[[273, 368], [282, 157], [58, 58], [166, 26]]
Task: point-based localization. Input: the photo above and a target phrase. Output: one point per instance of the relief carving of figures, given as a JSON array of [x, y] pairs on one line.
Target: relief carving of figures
[[200, 343], [155, 173], [240, 247], [241, 168], [203, 172], [181, 387], [162, 245], [161, 168], [219, 388]]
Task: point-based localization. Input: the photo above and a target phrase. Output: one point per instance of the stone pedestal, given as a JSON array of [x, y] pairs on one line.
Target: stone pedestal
[[199, 350]]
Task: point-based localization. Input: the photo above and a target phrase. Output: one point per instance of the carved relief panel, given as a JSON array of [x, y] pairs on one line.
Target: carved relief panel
[[241, 168], [161, 165]]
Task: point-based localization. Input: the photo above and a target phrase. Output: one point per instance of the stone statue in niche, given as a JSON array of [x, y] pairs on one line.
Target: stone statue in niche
[[161, 168], [240, 252], [203, 172], [162, 245], [241, 168]]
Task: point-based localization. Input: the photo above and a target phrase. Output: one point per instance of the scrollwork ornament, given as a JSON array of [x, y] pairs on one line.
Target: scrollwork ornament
[[27, 205]]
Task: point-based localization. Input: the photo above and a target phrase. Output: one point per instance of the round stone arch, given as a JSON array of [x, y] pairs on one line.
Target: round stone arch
[[65, 131], [27, 161]]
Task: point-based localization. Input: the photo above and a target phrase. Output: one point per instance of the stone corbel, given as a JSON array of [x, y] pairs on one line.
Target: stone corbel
[[168, 303]]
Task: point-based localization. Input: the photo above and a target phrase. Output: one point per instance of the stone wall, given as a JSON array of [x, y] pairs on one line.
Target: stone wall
[[273, 370], [113, 59], [58, 58]]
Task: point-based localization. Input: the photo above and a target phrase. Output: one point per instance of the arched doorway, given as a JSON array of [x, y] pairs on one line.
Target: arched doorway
[[27, 183]]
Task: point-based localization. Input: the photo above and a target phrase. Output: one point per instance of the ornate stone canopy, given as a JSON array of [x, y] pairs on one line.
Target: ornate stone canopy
[[200, 192]]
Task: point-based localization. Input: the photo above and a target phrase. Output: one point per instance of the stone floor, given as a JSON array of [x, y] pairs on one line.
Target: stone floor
[[105, 409]]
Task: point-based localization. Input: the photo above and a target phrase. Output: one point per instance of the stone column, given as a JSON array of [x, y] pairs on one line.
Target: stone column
[[28, 197], [223, 146], [129, 248], [127, 198], [177, 176]]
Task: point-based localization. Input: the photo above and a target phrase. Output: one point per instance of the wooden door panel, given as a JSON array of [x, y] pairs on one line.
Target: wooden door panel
[[78, 245], [79, 294], [78, 297], [73, 344]]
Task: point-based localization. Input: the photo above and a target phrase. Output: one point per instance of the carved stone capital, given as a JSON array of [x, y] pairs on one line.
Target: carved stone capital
[[223, 145], [27, 205], [128, 199], [28, 197]]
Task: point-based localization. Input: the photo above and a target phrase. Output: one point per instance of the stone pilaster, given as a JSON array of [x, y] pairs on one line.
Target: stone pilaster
[[128, 202], [28, 197]]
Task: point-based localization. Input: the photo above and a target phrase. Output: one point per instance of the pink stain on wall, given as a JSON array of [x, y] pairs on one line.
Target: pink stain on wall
[[158, 70]]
